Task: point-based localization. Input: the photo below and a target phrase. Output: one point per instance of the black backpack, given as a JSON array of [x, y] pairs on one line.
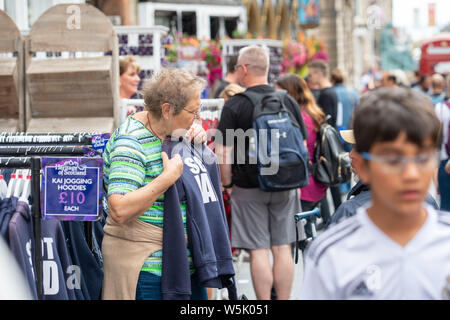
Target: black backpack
[[332, 164], [272, 118]]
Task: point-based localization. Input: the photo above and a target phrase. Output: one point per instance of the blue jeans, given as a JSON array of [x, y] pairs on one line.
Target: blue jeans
[[149, 288]]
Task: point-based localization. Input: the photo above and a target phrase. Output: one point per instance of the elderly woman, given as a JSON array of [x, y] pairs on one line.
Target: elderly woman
[[136, 174]]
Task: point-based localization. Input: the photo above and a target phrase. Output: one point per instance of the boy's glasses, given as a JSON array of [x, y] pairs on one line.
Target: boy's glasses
[[397, 164]]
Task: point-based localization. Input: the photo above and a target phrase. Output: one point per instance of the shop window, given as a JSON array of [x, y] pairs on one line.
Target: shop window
[[189, 23], [214, 27], [167, 19], [231, 26]]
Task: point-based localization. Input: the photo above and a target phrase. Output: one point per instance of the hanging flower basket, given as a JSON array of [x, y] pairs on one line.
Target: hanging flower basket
[[298, 53]]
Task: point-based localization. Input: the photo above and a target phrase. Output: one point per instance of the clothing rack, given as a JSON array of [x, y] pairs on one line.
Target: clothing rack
[[50, 150], [16, 156], [47, 139]]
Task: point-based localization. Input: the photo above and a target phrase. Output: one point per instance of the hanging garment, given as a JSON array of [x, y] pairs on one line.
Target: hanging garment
[[60, 278], [208, 232], [21, 235], [90, 269], [7, 209]]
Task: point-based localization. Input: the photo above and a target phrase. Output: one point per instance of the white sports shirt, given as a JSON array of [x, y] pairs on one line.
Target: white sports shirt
[[356, 260]]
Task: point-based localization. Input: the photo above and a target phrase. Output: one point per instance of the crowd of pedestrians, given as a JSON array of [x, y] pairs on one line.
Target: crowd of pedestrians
[[392, 134], [176, 210]]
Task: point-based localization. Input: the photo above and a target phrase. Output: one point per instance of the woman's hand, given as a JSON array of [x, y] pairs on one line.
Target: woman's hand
[[197, 133], [173, 168], [447, 167]]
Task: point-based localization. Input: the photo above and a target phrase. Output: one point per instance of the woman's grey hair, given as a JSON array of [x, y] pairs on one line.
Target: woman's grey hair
[[171, 85]]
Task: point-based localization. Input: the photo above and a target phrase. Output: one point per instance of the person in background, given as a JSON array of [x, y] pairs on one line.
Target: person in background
[[230, 78], [230, 90], [423, 85], [314, 88], [347, 101], [314, 192], [389, 80], [129, 77], [437, 85], [136, 175], [442, 110], [447, 89], [129, 80], [328, 102]]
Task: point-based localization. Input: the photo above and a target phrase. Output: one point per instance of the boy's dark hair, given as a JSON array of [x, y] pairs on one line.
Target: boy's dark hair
[[231, 63], [384, 113]]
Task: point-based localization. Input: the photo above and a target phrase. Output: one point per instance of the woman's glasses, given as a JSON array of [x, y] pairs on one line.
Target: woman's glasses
[[197, 113]]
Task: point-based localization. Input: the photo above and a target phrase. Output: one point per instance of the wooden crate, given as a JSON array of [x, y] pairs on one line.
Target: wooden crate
[[71, 87], [72, 94], [12, 105], [9, 100]]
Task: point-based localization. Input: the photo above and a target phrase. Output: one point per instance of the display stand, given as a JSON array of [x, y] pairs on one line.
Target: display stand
[[144, 43], [72, 94], [232, 47], [11, 76]]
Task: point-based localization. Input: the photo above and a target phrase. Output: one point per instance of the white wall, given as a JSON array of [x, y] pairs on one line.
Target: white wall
[[147, 10]]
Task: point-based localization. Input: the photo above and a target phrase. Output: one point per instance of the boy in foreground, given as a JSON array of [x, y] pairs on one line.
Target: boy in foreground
[[396, 246]]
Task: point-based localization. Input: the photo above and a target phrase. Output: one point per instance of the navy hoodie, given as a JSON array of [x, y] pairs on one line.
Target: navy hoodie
[[60, 278], [7, 209], [207, 229], [90, 268]]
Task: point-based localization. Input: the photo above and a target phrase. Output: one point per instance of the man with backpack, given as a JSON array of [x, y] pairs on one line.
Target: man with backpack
[[262, 219]]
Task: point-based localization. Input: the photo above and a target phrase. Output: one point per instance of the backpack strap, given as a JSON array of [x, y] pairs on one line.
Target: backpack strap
[[256, 98]]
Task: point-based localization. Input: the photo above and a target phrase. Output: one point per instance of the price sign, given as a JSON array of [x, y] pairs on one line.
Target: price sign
[[71, 188]]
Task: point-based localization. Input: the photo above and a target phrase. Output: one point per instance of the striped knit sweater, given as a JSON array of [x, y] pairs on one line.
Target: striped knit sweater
[[132, 159]]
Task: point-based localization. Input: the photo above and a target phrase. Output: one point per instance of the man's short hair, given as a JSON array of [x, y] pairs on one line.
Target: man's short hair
[[337, 76], [320, 65], [256, 57], [437, 81], [384, 113], [231, 63]]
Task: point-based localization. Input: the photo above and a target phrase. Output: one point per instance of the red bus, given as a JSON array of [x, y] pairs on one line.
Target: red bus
[[435, 56]]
